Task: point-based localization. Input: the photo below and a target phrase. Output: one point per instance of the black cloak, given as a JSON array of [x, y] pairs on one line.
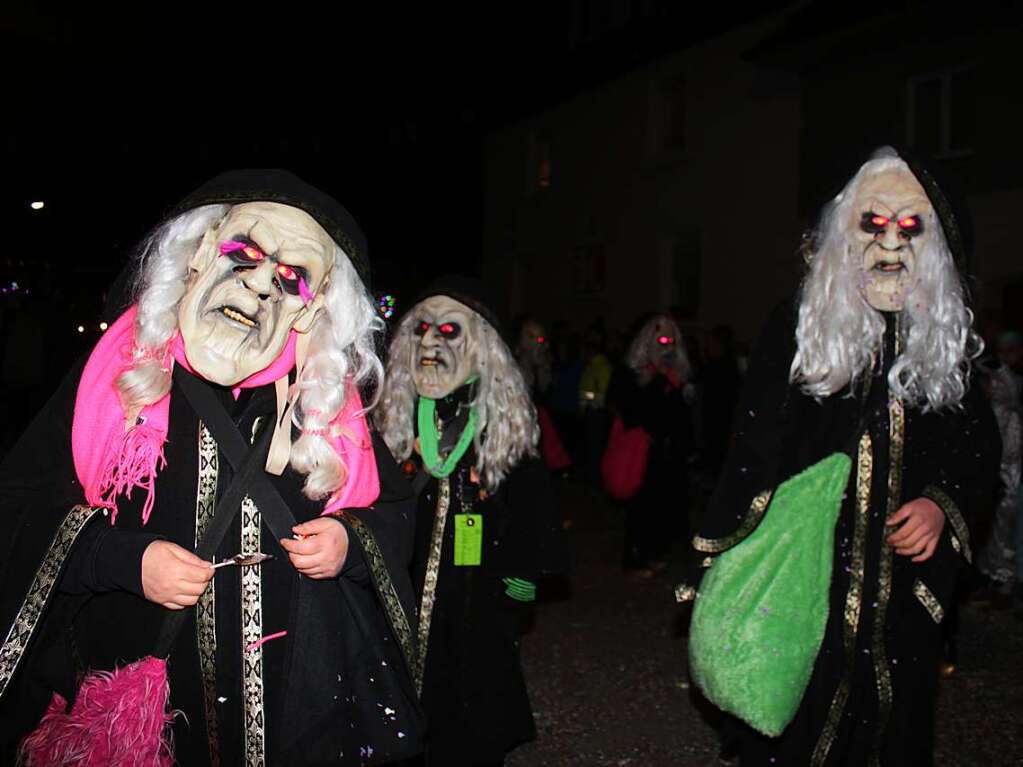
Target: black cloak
[[870, 699]]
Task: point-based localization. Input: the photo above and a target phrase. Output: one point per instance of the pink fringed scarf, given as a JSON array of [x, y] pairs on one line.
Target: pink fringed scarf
[[120, 718], [110, 462]]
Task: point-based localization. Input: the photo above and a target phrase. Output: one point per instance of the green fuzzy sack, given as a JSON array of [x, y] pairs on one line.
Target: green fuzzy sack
[[760, 615]]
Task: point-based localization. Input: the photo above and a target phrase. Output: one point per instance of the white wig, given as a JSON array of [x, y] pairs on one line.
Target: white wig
[[341, 344], [839, 334], [641, 351], [506, 425]]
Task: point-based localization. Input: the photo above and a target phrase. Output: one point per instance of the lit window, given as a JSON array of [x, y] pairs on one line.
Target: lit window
[[940, 112]]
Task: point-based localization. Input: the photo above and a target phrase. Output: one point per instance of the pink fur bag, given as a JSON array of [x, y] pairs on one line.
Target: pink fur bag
[[119, 719]]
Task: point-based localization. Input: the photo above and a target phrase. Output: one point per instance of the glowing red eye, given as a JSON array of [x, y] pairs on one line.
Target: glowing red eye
[[286, 272], [424, 326], [909, 222], [253, 254], [879, 221], [539, 339], [665, 340], [446, 328]]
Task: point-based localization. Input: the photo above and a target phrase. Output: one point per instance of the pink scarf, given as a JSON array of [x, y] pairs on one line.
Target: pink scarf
[[110, 463]]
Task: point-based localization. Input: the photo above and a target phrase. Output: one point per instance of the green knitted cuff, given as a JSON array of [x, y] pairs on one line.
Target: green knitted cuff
[[519, 589]]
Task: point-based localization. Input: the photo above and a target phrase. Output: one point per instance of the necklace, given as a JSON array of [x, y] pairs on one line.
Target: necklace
[[429, 441]]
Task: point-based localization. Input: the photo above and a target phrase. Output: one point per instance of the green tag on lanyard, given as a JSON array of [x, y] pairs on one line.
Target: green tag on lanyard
[[468, 540]]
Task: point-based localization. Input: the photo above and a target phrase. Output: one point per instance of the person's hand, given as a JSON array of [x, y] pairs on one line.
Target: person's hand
[[922, 522], [173, 576], [321, 548]]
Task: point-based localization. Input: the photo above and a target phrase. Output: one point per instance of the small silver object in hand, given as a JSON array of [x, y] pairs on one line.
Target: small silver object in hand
[[244, 560]]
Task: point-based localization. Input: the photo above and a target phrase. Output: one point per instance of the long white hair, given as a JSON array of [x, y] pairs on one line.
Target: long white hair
[[642, 349], [506, 425], [341, 344], [839, 334]]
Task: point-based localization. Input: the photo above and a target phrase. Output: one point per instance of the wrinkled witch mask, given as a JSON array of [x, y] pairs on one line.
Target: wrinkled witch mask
[[889, 214], [444, 346], [255, 276]]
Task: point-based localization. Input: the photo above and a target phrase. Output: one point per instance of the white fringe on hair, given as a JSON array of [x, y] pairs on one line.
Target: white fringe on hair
[[342, 347], [839, 334], [506, 427]]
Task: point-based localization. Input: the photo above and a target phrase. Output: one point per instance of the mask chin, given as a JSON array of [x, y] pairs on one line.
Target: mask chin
[[886, 294], [215, 368]]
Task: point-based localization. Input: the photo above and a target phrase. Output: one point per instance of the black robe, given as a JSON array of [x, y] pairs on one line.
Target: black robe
[[473, 691], [871, 697], [96, 617], [659, 512]]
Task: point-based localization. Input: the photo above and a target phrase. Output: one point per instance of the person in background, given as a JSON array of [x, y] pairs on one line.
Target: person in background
[[648, 392], [997, 560], [533, 353], [593, 385], [456, 411]]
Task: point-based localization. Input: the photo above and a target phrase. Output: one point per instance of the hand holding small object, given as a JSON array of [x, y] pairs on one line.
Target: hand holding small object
[[173, 576], [319, 549]]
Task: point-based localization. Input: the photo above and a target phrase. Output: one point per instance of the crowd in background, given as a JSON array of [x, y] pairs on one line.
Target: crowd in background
[[585, 380]]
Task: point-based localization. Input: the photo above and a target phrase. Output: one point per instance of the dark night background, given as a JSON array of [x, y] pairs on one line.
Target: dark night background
[[110, 118]]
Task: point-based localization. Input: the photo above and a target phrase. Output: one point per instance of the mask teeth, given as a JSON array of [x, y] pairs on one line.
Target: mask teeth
[[304, 292]]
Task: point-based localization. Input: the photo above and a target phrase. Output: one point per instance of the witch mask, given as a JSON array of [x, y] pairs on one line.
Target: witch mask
[[889, 214], [444, 353], [257, 275]]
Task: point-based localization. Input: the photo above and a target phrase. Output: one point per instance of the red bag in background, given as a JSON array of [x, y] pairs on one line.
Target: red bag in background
[[551, 446], [623, 466]]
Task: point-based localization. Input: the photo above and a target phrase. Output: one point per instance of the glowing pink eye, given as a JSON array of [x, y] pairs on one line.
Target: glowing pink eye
[[880, 220], [241, 250], [539, 339], [286, 272], [446, 328], [665, 340]]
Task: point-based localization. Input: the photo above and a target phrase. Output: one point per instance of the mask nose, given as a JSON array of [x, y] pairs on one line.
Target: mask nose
[[260, 279], [890, 240]]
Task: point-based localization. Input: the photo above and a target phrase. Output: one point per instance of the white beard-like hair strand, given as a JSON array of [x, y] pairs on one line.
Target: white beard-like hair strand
[[839, 335], [506, 428]]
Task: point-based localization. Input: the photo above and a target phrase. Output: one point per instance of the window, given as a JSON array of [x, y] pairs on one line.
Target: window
[[538, 163], [940, 112], [668, 115]]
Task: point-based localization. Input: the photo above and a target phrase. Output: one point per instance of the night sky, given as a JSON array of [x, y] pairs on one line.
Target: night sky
[[109, 119]]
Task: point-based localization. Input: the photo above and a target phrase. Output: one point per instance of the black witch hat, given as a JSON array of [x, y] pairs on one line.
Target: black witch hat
[[260, 185], [284, 187], [466, 290]]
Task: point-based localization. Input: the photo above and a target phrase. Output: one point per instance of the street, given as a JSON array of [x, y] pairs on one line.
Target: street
[[606, 666]]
